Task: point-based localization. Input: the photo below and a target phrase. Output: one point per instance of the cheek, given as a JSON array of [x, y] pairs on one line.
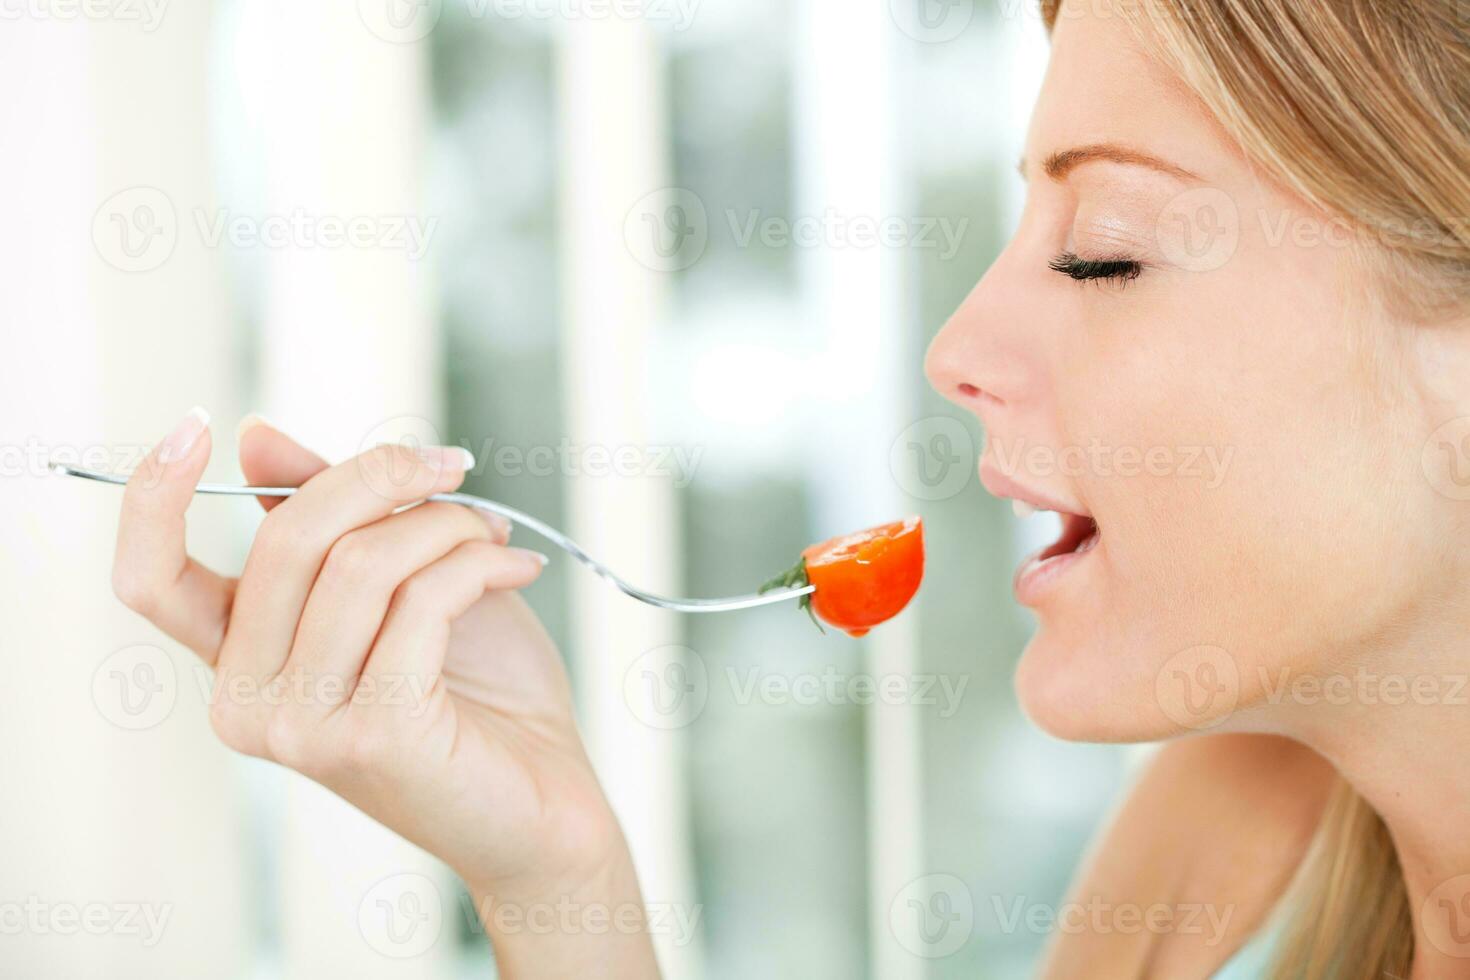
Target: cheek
[[1246, 470]]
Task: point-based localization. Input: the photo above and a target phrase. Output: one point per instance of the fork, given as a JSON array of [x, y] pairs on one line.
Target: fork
[[727, 604]]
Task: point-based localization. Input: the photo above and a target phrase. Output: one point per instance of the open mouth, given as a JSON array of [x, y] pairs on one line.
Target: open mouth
[[1080, 535]]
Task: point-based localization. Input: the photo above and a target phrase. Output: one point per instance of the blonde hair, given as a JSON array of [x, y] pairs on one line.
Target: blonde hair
[[1350, 910], [1362, 109]]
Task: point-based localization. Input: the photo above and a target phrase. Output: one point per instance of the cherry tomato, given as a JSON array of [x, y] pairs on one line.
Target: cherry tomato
[[862, 579]]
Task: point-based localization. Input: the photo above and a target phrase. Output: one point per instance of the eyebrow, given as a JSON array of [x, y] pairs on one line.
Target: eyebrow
[[1060, 164]]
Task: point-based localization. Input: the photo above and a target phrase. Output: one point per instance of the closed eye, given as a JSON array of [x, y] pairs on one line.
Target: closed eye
[[1074, 267]]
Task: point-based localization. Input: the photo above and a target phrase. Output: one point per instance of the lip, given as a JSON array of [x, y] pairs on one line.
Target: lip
[[1000, 485], [1040, 573]]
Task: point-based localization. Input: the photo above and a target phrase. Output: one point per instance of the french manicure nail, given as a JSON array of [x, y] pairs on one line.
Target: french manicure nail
[[448, 457], [178, 443], [543, 559], [249, 422], [497, 523]]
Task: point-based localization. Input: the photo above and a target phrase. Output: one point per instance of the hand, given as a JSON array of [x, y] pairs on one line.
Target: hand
[[384, 655]]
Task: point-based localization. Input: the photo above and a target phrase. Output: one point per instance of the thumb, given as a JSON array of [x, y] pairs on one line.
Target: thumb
[[270, 458]]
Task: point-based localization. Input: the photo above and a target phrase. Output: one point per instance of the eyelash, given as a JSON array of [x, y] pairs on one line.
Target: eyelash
[[1072, 266]]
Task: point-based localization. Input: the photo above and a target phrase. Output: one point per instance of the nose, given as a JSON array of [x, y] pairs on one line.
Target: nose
[[979, 360]]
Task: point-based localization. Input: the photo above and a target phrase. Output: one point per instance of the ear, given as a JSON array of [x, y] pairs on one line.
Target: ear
[[1436, 369]]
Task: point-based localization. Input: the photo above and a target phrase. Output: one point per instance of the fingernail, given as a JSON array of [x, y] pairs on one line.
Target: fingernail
[[185, 434], [448, 457], [249, 422], [497, 523], [538, 556]]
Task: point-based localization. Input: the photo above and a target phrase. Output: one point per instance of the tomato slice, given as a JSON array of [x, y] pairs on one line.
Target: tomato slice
[[862, 579]]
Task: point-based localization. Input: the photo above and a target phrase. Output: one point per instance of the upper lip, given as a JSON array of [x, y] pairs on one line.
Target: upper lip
[[1001, 485]]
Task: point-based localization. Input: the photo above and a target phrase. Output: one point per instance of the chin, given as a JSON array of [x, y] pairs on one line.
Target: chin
[[1083, 687]]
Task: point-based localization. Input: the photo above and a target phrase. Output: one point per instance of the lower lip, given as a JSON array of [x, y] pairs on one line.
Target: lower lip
[[1036, 579]]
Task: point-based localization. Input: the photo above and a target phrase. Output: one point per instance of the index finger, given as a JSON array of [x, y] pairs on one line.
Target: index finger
[[151, 572], [270, 458], [364, 489], [294, 539]]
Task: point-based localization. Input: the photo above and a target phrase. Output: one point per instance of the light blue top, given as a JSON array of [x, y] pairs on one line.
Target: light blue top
[[1254, 958]]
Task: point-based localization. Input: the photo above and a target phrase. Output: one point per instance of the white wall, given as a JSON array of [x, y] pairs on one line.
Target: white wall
[[97, 807]]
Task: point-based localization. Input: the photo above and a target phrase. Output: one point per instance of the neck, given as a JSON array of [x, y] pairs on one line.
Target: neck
[[1398, 732]]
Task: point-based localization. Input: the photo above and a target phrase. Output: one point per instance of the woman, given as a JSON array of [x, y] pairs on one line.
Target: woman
[[1246, 241]]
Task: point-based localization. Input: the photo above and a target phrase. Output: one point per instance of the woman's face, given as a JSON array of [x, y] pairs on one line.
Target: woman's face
[[1199, 382]]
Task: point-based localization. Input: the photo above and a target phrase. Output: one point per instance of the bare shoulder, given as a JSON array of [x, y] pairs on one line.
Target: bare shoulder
[[1202, 847]]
